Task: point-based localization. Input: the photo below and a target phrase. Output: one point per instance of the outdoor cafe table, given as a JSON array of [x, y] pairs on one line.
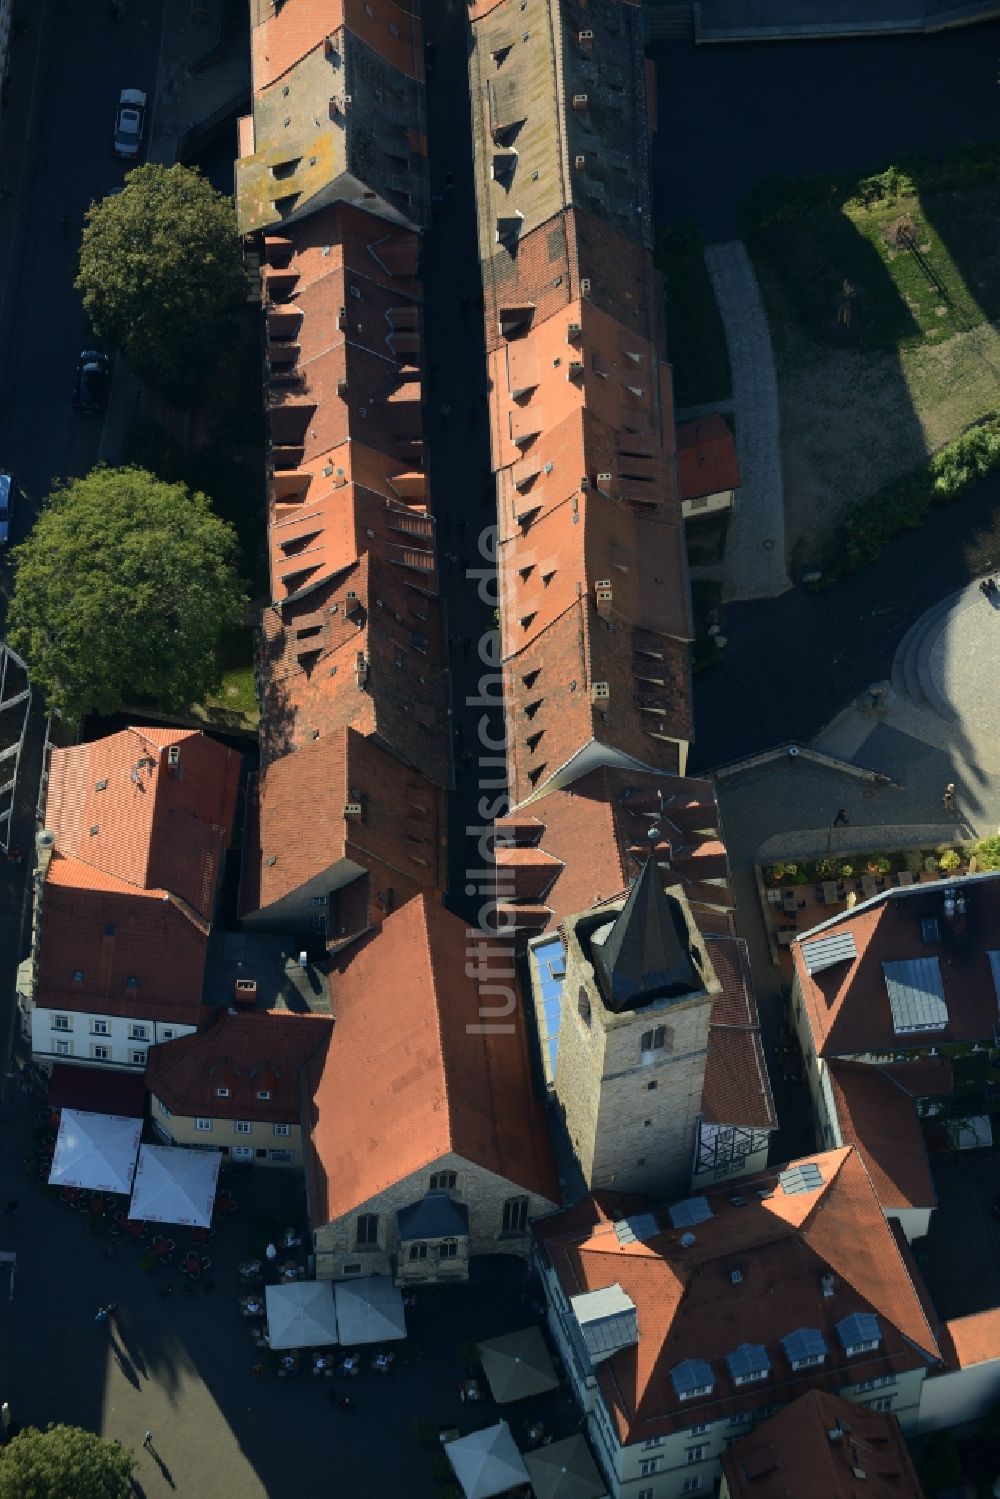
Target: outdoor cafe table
[[191, 1263]]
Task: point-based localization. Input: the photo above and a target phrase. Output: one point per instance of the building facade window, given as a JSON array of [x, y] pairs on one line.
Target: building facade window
[[883, 1381], [692, 1484], [61, 1023], [167, 1035], [696, 1454], [64, 1048], [881, 1403], [282, 1129], [101, 1053], [448, 1249], [100, 1028], [418, 1251], [353, 1269], [698, 1431], [222, 1092], [137, 1058], [366, 1231], [649, 1465], [652, 1442], [138, 1033], [243, 1127], [263, 1094], [282, 1157], [644, 1494], [443, 1181], [652, 1043], [203, 1124], [242, 1152], [515, 1215]]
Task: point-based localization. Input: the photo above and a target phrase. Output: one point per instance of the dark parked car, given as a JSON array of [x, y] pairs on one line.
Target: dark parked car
[[93, 376], [6, 506]]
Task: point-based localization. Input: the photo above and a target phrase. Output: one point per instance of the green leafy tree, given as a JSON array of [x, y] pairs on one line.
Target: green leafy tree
[[122, 593], [162, 276], [64, 1462]]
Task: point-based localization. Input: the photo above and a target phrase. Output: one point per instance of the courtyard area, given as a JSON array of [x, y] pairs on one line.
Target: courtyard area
[[180, 1358]]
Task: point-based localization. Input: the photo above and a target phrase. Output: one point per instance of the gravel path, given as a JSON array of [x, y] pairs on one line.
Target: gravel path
[[754, 563]]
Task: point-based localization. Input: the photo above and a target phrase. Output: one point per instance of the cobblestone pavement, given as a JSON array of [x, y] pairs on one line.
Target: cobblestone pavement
[[754, 562]]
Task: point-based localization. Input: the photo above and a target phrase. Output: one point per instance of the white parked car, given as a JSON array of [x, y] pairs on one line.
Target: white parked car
[[130, 121]]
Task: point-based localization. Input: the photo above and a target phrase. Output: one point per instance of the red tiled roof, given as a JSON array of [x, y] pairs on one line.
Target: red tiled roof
[[637, 716], [109, 932], [610, 813], [821, 1444], [736, 1089], [408, 1079], [848, 1005], [263, 1052], [880, 1119], [706, 452], [300, 829], [689, 1308], [362, 651], [119, 805], [284, 34], [972, 1340]]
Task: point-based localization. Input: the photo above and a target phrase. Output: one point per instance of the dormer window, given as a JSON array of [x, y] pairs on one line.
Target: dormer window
[[263, 1094], [859, 1333], [805, 1348], [692, 1378], [748, 1363], [222, 1092]]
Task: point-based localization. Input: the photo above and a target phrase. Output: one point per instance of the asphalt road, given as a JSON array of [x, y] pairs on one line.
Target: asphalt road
[[729, 117], [55, 159]]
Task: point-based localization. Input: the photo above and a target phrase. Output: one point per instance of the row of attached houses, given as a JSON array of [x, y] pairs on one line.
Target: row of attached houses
[[595, 618]]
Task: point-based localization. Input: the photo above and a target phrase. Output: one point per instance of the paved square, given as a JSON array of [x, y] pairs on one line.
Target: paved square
[[180, 1366]]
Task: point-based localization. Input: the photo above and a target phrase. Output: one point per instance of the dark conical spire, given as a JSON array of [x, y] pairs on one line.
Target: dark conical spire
[[647, 953]]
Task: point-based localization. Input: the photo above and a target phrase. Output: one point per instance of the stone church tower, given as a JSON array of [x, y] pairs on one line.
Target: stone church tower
[[633, 1039]]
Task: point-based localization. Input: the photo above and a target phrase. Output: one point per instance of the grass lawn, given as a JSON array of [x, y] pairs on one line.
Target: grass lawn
[[882, 310], [695, 339]]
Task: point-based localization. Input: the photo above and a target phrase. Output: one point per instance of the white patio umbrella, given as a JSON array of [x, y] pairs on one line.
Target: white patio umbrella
[[369, 1310], [95, 1151], [487, 1462], [564, 1470], [302, 1314], [174, 1185], [517, 1365]]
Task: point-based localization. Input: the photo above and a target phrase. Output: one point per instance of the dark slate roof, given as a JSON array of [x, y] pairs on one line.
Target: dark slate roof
[[647, 953], [435, 1216]]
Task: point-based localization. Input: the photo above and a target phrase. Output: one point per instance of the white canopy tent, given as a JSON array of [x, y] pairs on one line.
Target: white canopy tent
[[302, 1314], [95, 1151], [369, 1310], [487, 1462], [174, 1185]]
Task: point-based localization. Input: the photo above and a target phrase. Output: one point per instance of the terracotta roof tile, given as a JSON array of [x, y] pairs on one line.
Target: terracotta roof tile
[[284, 33], [322, 516], [609, 813], [796, 1452], [364, 650], [972, 1340], [848, 1004], [110, 933], [303, 831], [688, 1306], [736, 1089], [119, 804], [394, 1097], [642, 709], [263, 1052], [706, 450], [880, 1119]]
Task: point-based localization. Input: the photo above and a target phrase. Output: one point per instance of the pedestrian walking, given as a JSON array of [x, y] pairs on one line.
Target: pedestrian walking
[[11, 1207], [840, 821], [948, 799], [147, 1440]]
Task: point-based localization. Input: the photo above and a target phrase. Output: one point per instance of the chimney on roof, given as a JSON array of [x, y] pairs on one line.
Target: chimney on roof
[[604, 595], [586, 40], [352, 603], [246, 991], [828, 1283], [580, 103]]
